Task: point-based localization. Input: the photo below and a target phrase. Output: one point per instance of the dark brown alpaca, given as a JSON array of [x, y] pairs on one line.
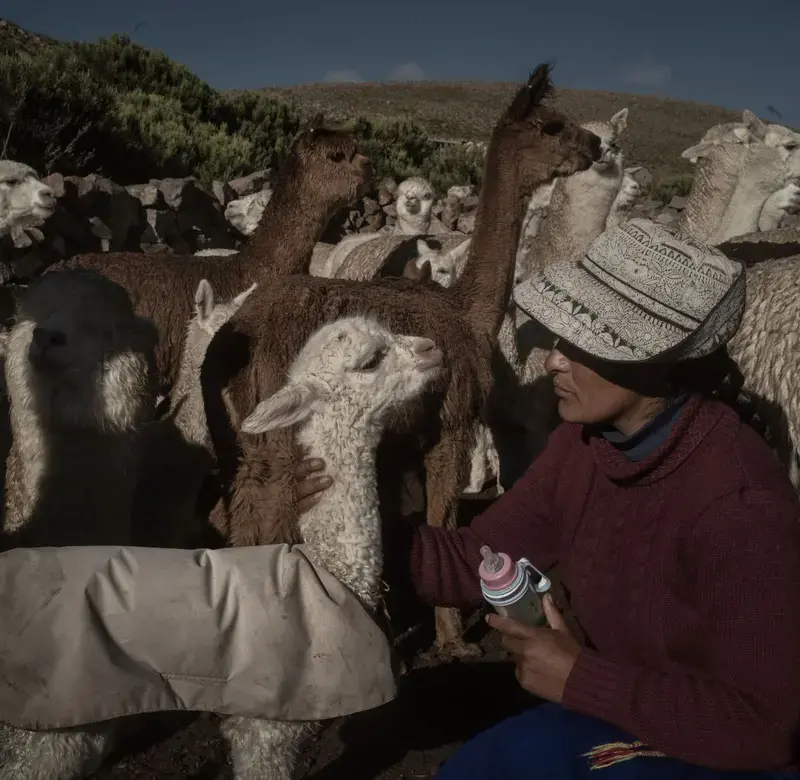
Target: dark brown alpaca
[[248, 358], [323, 173]]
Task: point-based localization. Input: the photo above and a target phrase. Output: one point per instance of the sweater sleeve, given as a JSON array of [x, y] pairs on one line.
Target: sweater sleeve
[[444, 563], [738, 706]]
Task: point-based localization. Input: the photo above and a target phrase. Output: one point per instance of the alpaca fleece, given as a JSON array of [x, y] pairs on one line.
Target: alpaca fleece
[[683, 570]]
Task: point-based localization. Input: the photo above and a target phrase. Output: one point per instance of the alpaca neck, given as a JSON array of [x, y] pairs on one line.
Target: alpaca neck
[[484, 286], [715, 178], [413, 224], [293, 221], [757, 182], [190, 410], [343, 531], [69, 486], [579, 209]]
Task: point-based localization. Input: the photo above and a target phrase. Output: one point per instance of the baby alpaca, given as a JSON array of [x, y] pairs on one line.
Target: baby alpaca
[[179, 454], [80, 371], [628, 194], [444, 266], [341, 388]]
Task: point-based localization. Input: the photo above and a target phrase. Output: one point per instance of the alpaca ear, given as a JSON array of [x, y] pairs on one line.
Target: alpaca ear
[[619, 121], [539, 87], [459, 251], [631, 169], [244, 295], [698, 150], [204, 300], [425, 271], [290, 405], [754, 124], [422, 247]]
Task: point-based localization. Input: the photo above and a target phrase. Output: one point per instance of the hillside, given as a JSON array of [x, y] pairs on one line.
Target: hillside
[[659, 129], [171, 123]]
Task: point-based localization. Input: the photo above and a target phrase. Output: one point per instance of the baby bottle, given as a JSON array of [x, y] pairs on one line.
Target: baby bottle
[[514, 589]]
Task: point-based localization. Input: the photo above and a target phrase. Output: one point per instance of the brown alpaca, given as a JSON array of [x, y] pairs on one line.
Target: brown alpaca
[[323, 173], [248, 358]]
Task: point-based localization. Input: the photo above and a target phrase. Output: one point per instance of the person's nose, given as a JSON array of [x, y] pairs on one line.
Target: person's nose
[[555, 362]]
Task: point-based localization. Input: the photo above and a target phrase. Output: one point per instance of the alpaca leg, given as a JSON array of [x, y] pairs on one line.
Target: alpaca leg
[[447, 467], [53, 755], [264, 749]]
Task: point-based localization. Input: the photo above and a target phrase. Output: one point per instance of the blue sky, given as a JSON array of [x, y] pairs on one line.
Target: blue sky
[[746, 56]]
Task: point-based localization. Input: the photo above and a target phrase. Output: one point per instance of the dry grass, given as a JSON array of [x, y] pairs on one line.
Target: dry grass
[[659, 129]]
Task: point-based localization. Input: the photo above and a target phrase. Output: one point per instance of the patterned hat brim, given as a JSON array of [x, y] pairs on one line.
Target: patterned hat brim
[[578, 307]]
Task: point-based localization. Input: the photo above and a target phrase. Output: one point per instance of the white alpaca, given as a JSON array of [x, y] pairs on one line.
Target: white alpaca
[[720, 156], [24, 200], [628, 194], [445, 265], [413, 203], [341, 388], [80, 374], [785, 201], [179, 452]]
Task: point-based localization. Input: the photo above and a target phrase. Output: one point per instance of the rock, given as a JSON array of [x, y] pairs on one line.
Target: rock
[[100, 229], [161, 226], [470, 202], [247, 185], [385, 197], [390, 211], [174, 190], [245, 213], [57, 183], [678, 202], [452, 211], [223, 192], [370, 206], [149, 195], [460, 191], [388, 184], [644, 176], [466, 222]]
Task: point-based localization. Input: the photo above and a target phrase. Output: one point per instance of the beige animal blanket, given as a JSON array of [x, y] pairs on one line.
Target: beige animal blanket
[[92, 633]]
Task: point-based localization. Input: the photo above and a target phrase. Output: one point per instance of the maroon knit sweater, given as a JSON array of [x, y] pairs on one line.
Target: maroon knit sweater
[[683, 569]]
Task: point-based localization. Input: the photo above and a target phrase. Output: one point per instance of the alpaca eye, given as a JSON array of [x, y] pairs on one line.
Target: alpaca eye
[[374, 361], [553, 128], [337, 156]]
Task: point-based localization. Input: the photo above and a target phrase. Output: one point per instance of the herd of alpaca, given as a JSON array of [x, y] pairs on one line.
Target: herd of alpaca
[[396, 356]]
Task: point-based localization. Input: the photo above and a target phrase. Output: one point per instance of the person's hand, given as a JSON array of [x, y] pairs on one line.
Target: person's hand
[[544, 657], [310, 482]]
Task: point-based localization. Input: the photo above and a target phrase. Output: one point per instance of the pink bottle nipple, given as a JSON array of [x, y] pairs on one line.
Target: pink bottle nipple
[[497, 570]]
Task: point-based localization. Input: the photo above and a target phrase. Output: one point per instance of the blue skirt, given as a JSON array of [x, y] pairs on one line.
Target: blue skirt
[[551, 743]]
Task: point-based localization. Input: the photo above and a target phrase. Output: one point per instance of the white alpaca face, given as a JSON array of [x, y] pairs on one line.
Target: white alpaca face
[[414, 197], [608, 133], [24, 200], [780, 137], [353, 368]]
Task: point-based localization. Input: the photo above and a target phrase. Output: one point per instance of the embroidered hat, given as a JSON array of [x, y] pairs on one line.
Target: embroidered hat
[[643, 292]]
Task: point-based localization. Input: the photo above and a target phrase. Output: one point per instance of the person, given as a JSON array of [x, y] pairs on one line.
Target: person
[[92, 633], [675, 530]]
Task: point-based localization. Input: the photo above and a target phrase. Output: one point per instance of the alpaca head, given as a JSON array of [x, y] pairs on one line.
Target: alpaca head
[[631, 189], [78, 354], [329, 162], [414, 203], [24, 200], [750, 130], [355, 371], [538, 142], [443, 266], [609, 133]]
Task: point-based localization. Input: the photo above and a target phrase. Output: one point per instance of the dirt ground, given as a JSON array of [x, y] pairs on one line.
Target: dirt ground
[[438, 707]]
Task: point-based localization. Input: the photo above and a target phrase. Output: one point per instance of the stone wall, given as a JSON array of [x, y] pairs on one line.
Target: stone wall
[[180, 215]]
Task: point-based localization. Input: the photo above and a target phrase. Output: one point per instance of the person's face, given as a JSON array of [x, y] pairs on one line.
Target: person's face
[[585, 396]]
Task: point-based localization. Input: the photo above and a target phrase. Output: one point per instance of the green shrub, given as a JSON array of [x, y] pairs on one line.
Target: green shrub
[[668, 187], [133, 114]]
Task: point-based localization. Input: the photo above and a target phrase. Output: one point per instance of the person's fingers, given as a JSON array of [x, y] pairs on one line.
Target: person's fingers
[[510, 627], [304, 504], [313, 485], [308, 466], [554, 618]]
